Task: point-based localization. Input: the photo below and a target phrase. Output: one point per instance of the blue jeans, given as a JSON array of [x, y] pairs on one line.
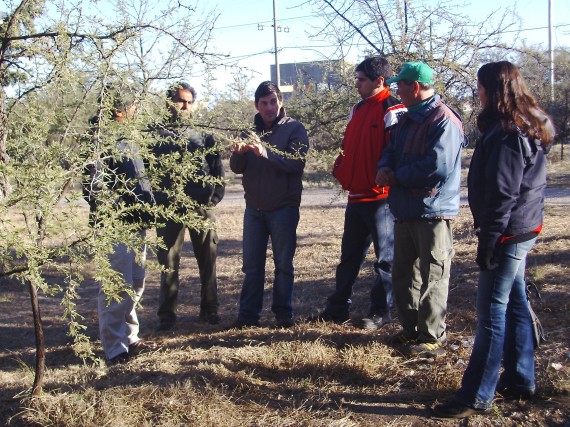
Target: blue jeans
[[365, 223], [504, 331], [258, 226]]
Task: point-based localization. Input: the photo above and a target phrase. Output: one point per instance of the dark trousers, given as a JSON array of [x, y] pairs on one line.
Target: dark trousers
[[205, 245], [365, 223]]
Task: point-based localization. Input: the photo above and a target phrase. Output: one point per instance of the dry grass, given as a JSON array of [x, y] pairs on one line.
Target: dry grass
[[310, 375]]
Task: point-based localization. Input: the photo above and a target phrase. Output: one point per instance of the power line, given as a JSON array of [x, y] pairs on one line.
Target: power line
[[316, 16], [312, 47], [264, 22]]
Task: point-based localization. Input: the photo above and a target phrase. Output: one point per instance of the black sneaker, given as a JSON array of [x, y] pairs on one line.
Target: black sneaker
[[164, 327], [454, 409], [119, 359], [284, 322], [324, 316], [513, 393], [426, 349], [210, 318]]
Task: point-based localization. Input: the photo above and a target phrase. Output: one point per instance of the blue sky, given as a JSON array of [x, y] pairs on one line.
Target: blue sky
[[238, 29]]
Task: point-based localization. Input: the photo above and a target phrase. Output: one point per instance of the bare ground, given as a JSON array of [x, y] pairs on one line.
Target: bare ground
[[310, 375]]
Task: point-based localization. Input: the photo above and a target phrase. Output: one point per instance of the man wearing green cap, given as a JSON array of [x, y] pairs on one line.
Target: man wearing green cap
[[422, 166]]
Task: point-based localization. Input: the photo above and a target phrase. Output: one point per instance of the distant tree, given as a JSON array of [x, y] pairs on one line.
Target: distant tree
[[56, 58], [323, 107], [534, 63], [231, 108], [407, 30]]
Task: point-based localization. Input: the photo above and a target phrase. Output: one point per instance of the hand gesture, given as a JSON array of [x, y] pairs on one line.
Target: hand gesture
[[385, 176]]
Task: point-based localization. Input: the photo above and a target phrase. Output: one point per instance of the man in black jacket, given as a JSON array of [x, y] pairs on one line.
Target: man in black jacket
[[271, 160], [203, 188]]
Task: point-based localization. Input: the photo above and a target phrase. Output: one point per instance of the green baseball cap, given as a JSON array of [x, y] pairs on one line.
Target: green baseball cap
[[414, 71]]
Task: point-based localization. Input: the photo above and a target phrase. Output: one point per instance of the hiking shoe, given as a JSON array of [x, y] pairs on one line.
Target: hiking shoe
[[513, 393], [140, 346], [402, 337], [119, 359], [211, 318], [376, 322], [454, 409], [430, 349], [242, 324], [324, 316], [164, 327], [285, 322]]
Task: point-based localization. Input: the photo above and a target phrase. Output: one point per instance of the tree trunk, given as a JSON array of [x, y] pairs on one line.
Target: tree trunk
[[40, 343], [4, 185]]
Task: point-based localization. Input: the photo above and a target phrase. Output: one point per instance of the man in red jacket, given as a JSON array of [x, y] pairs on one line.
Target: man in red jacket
[[367, 217]]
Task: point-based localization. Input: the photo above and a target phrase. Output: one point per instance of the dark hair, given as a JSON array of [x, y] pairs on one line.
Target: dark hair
[[120, 95], [267, 88], [510, 103], [173, 90], [375, 67]]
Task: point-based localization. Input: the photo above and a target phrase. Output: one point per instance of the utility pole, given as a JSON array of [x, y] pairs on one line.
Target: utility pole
[[276, 29], [551, 51], [277, 73]]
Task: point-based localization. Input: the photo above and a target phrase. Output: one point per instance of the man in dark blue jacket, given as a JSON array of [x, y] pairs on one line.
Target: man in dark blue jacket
[[203, 188], [422, 166]]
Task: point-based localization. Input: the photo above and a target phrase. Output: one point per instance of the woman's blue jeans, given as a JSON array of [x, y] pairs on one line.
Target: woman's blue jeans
[[258, 226], [504, 331]]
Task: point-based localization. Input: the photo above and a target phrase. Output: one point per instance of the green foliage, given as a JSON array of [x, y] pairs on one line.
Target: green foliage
[[56, 60], [324, 109]]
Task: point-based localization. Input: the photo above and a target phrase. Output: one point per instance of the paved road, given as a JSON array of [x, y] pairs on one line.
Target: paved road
[[314, 196], [558, 196], [334, 197], [318, 196]]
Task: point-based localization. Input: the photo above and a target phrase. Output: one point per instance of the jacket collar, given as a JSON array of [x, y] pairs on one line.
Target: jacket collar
[[379, 97], [374, 99], [420, 114]]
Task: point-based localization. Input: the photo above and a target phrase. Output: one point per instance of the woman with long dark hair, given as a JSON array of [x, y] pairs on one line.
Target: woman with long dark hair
[[506, 182]]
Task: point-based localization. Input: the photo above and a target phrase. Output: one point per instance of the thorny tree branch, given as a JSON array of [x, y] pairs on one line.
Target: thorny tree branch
[[353, 26]]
